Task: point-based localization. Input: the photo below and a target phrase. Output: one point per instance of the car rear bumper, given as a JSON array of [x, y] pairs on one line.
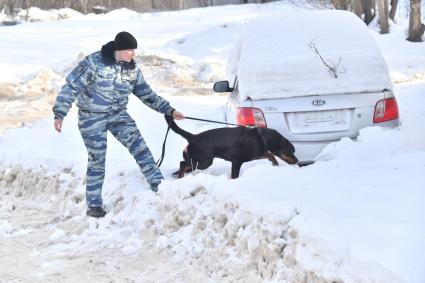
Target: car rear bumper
[[306, 152], [389, 124]]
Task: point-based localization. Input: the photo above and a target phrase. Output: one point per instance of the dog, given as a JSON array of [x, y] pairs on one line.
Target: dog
[[237, 145]]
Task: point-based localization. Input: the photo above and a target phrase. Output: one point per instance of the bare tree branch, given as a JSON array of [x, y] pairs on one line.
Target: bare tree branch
[[332, 67]]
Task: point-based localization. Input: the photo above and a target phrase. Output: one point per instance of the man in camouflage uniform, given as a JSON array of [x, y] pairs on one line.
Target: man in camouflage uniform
[[101, 83]]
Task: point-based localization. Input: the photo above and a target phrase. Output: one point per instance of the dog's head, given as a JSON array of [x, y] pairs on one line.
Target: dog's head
[[280, 146]]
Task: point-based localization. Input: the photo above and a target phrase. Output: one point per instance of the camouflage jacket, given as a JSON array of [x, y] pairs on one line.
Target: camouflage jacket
[[100, 84]]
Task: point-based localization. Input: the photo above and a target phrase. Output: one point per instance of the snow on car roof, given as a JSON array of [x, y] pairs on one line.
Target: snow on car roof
[[276, 56]]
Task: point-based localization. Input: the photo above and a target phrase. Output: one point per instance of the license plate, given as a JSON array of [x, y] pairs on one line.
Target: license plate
[[319, 121]]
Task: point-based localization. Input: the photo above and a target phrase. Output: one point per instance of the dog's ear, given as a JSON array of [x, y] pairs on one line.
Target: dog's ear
[[289, 147], [286, 145]]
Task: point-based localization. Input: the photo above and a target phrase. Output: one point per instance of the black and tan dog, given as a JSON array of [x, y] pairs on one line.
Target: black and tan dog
[[237, 145]]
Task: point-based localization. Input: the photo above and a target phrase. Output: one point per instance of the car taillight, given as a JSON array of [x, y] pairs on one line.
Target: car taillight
[[247, 116], [385, 110]]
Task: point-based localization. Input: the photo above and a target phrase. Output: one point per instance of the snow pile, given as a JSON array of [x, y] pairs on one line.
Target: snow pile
[[35, 14], [21, 182], [45, 83], [198, 222], [5, 228], [121, 13], [67, 13], [3, 16], [7, 90], [209, 68], [276, 57], [26, 101], [177, 76], [193, 219]]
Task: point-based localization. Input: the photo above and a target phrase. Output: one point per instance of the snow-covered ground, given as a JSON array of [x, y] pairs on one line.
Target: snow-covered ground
[[356, 215]]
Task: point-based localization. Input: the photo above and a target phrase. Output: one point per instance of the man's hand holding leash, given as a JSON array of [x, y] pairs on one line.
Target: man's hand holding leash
[[177, 115]]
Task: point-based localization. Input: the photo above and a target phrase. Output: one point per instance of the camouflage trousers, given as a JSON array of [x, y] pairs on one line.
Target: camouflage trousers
[[93, 128]]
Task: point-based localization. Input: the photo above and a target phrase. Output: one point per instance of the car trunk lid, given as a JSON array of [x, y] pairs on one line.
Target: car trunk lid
[[322, 117]]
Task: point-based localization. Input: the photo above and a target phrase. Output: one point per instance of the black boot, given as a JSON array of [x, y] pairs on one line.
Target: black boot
[[96, 212]]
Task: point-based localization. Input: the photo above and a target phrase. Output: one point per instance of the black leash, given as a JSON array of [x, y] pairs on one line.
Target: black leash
[[216, 122], [159, 162]]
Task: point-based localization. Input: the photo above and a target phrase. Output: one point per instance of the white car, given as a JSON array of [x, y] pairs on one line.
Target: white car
[[315, 76]]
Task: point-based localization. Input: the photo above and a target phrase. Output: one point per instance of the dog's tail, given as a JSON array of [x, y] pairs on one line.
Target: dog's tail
[[170, 121]]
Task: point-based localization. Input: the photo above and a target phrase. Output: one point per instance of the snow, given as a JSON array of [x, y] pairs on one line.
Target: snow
[[5, 228], [34, 14], [59, 233], [123, 12], [356, 215], [3, 16], [276, 57], [66, 39], [404, 66]]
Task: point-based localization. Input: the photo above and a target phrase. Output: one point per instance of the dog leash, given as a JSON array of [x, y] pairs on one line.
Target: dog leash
[[159, 161], [216, 122], [224, 123]]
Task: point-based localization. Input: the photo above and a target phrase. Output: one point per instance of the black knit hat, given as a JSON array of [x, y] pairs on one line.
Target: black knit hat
[[124, 40]]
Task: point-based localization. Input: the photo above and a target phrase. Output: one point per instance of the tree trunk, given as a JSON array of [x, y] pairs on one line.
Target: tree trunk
[[383, 15], [340, 4], [416, 27], [357, 7], [393, 9], [27, 7], [369, 10], [84, 8], [9, 7]]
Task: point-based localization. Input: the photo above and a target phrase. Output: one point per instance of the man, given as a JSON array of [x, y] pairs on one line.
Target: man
[[101, 83]]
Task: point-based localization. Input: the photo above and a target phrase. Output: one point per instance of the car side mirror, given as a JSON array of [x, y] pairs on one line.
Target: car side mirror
[[222, 86]]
